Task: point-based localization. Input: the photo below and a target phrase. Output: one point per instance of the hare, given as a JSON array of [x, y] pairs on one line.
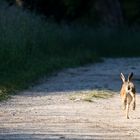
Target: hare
[[128, 93]]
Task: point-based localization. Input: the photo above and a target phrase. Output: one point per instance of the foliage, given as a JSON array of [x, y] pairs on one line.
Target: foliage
[[31, 47], [81, 10], [131, 11]]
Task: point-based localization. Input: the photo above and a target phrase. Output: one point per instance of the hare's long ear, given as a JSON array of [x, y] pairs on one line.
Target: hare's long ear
[[130, 76], [122, 77]]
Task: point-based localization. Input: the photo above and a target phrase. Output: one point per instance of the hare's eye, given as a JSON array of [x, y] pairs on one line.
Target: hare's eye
[[128, 87]]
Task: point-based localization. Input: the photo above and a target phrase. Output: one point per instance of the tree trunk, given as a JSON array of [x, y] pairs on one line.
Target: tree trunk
[[19, 2]]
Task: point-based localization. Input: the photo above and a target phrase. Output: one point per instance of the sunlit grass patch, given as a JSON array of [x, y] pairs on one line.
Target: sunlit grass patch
[[4, 94], [91, 95]]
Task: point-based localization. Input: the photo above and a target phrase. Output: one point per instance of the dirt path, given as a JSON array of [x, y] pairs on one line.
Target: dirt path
[[46, 112]]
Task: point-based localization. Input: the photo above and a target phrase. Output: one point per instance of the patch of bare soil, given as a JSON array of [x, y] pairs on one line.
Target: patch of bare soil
[[46, 112]]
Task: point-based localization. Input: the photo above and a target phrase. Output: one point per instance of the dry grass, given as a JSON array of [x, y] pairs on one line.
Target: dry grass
[[91, 95]]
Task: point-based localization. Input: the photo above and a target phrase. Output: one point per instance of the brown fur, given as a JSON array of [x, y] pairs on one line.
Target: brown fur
[[128, 93]]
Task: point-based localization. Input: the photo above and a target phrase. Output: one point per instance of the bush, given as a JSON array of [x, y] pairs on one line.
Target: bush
[[31, 48]]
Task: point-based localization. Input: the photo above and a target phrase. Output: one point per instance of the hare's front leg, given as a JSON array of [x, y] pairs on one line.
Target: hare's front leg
[[129, 99], [127, 110], [124, 103]]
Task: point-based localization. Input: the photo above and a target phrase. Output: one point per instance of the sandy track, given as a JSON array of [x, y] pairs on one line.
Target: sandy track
[[45, 111]]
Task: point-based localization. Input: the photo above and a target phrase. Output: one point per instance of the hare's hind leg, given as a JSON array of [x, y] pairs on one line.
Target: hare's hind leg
[[133, 100], [134, 103]]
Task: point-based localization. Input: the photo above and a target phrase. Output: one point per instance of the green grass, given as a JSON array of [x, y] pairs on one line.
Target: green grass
[[90, 96], [31, 47], [4, 94]]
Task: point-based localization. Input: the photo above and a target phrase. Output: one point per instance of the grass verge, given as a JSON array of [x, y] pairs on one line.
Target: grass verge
[[90, 96], [31, 47]]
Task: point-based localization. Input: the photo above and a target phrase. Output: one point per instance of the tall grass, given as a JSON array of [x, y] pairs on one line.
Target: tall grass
[[30, 47]]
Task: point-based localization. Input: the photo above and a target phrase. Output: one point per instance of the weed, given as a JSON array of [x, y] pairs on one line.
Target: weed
[[91, 95]]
